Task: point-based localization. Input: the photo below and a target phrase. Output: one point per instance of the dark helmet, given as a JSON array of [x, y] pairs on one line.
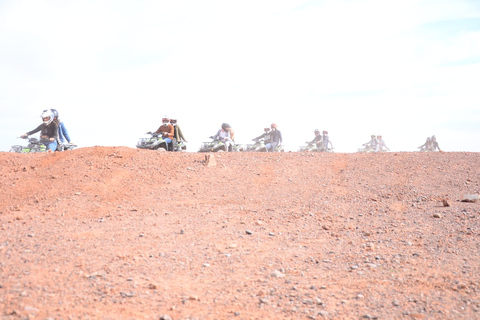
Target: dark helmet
[[225, 126]]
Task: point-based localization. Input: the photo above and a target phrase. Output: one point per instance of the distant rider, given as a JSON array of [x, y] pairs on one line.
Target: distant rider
[[318, 140], [427, 146], [48, 131], [381, 144], [265, 136], [177, 134], [372, 144], [275, 140], [62, 130], [435, 145], [167, 131], [326, 141], [226, 135]]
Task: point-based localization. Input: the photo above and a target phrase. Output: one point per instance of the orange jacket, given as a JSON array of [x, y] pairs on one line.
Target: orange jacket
[[167, 131]]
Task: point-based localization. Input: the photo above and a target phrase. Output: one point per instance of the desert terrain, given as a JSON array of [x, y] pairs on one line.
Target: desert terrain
[[120, 233]]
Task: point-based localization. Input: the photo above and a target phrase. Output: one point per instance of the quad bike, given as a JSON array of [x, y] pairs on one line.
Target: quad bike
[[66, 146], [366, 149], [180, 146], [259, 146], [217, 145], [35, 145], [312, 147], [369, 149], [154, 142]]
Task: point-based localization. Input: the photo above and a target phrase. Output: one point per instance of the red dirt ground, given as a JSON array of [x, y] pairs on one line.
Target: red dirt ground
[[119, 233]]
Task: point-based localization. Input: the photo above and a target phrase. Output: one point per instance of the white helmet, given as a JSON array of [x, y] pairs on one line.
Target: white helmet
[[47, 116]]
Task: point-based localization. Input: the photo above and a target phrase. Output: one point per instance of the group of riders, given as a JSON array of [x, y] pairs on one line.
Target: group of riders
[[430, 145], [171, 133], [53, 133], [376, 144]]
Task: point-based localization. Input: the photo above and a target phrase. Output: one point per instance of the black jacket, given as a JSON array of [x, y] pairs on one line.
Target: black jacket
[[51, 131]]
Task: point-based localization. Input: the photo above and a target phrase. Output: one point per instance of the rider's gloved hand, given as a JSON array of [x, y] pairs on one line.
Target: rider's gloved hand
[[23, 136]]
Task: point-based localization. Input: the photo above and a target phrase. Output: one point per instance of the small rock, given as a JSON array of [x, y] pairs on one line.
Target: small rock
[[445, 203], [277, 274], [324, 313], [264, 301], [248, 232], [31, 309], [261, 293], [271, 234], [396, 303], [437, 215], [470, 198], [165, 317], [461, 286], [210, 161]]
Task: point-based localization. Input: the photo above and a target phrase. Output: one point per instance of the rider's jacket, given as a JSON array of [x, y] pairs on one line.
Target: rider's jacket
[[166, 130], [277, 136], [317, 140], [178, 133], [50, 130]]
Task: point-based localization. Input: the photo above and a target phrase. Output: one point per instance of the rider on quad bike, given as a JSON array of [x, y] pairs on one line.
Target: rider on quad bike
[[167, 131], [178, 136], [318, 140], [226, 135], [275, 139], [48, 131]]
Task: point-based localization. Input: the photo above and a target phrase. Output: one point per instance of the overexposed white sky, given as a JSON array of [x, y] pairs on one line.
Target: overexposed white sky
[[403, 69]]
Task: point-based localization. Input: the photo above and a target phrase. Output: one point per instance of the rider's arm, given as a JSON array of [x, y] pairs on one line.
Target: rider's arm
[[64, 131], [34, 130]]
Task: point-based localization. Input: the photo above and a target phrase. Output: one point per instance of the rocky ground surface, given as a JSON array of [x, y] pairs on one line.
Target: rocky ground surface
[[119, 233]]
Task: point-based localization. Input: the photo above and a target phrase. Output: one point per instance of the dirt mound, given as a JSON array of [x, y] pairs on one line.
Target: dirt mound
[[119, 233]]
